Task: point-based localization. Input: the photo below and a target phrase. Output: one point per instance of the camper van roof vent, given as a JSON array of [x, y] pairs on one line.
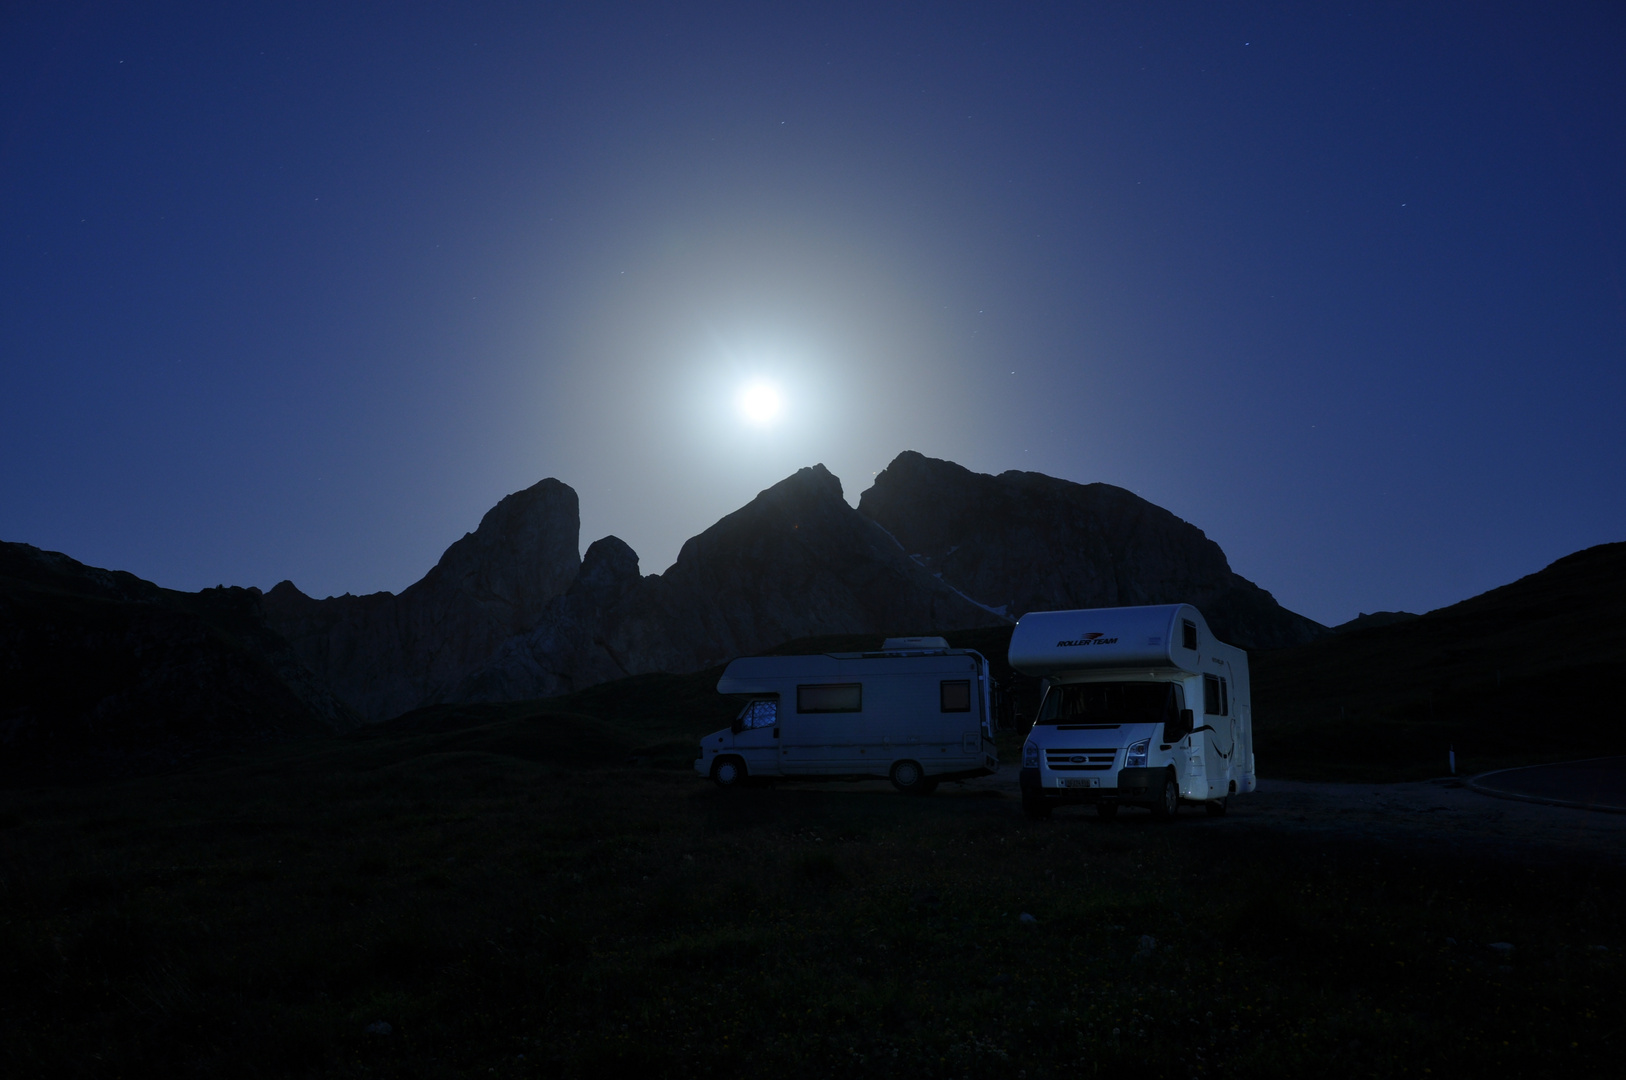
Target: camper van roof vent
[[893, 643]]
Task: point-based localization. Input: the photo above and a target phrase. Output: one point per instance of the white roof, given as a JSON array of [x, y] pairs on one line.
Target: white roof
[[1053, 642], [765, 674], [892, 644]]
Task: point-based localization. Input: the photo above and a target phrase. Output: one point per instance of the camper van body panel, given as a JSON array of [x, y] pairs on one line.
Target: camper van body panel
[[1055, 642], [857, 714], [1166, 644]]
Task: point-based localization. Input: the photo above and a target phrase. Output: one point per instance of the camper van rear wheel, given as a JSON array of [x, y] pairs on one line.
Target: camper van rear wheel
[[728, 772], [1217, 807], [1168, 803], [909, 778]]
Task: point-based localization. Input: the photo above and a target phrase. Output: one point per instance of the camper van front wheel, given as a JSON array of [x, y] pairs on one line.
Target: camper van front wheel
[[909, 778], [1168, 803], [728, 772]]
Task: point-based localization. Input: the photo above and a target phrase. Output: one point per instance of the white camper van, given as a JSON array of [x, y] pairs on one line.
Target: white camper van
[[1142, 707], [916, 712]]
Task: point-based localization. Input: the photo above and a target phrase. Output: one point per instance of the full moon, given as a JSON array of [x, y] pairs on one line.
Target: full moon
[[759, 403]]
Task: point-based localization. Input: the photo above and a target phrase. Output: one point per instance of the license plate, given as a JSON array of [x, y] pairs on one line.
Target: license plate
[[1079, 781]]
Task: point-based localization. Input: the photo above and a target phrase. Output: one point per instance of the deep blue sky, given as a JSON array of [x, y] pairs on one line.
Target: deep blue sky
[[302, 290]]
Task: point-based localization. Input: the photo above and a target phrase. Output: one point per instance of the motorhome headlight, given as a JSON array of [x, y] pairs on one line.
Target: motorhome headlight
[[1030, 755], [1136, 758]]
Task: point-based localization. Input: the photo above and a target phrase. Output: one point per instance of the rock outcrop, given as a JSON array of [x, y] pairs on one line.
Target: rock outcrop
[[103, 673], [385, 654], [1023, 541], [567, 650], [797, 561]]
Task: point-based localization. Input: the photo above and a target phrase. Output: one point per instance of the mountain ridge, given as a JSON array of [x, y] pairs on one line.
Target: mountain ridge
[[512, 611], [1522, 670], [105, 673], [386, 653], [1025, 541], [930, 547], [796, 561]]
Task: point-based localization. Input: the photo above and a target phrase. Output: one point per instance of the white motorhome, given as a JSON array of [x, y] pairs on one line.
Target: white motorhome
[[1143, 706], [916, 713]]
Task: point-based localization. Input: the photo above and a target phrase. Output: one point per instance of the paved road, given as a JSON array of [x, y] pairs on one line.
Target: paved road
[[1445, 813], [1598, 784]]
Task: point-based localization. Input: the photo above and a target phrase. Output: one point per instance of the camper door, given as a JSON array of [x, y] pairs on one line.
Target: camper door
[[1220, 742], [754, 735]]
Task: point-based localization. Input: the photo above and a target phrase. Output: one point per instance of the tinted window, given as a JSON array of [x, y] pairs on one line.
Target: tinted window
[[954, 695], [1111, 703], [759, 714], [1215, 697], [831, 697], [1188, 630]]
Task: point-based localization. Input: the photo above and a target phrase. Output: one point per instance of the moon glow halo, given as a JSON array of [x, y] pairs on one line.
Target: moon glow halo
[[759, 403]]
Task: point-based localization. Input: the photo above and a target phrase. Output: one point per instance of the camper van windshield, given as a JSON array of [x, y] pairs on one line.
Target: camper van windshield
[[1109, 703]]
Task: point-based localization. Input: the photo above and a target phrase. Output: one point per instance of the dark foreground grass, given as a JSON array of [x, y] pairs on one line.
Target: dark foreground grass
[[511, 912]]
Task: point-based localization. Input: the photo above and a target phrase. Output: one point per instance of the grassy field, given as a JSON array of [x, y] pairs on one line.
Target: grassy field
[[526, 893]]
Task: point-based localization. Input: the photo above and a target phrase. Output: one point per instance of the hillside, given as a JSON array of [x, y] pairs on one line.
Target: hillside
[[104, 673], [1521, 673]]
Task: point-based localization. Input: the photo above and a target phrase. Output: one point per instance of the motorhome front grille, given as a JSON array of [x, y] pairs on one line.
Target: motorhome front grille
[[1080, 759]]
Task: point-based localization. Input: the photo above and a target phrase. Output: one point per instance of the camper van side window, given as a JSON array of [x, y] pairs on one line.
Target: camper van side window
[[761, 713], [1214, 695], [954, 695], [1189, 631], [830, 697]]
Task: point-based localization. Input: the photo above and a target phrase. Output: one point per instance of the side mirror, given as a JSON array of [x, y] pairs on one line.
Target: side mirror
[[1175, 730]]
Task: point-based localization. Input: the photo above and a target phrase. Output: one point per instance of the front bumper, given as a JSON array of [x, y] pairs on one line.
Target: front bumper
[[1133, 786]]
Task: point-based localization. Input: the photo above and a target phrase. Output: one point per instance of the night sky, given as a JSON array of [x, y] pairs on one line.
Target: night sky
[[300, 291]]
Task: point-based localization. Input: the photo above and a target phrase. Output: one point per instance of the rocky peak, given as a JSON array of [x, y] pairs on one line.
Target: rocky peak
[[609, 568], [796, 561], [808, 500], [522, 555], [1023, 541], [386, 654]]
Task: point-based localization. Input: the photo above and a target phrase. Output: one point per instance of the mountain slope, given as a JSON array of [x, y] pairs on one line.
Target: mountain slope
[[385, 654], [103, 673], [1024, 541], [1522, 672]]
